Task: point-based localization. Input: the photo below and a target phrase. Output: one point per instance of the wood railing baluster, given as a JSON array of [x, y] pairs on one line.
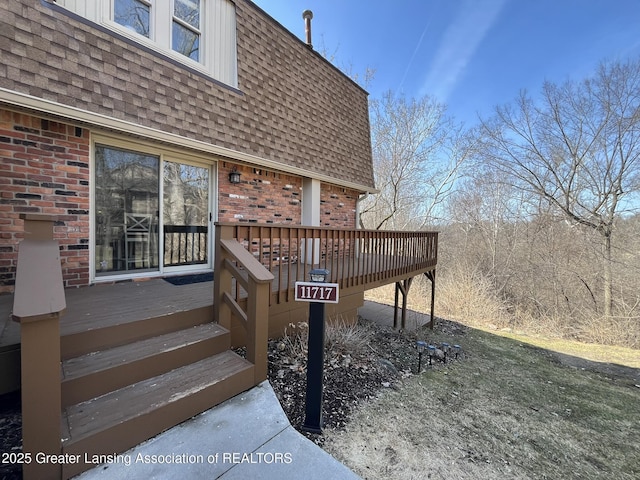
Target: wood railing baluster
[[354, 257]]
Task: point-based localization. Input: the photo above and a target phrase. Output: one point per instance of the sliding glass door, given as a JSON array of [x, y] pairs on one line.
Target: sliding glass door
[[151, 214], [126, 211], [186, 214]]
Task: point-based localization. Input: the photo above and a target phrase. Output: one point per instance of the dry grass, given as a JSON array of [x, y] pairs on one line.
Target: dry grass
[[616, 331], [295, 340], [469, 298], [526, 402], [508, 410], [594, 352], [347, 337], [339, 336]]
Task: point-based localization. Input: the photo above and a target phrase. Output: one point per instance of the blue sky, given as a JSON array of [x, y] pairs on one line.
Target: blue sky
[[470, 54]]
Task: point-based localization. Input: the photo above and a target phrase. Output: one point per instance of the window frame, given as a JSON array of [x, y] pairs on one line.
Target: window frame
[[222, 67], [161, 18], [164, 153], [198, 31]]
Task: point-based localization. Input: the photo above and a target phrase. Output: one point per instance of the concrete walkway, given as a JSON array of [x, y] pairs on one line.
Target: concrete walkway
[[382, 314], [246, 437]]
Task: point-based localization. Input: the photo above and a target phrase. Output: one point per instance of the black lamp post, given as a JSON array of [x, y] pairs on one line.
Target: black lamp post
[[315, 359]]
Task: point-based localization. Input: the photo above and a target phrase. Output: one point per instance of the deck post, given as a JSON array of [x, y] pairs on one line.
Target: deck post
[[38, 303], [431, 275], [222, 278], [401, 287], [258, 328], [234, 261]]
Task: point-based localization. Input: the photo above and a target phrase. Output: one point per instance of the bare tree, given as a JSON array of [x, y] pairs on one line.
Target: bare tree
[[363, 78], [418, 154], [577, 149]]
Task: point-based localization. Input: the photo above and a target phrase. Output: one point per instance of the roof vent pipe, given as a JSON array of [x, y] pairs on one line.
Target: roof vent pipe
[[308, 15]]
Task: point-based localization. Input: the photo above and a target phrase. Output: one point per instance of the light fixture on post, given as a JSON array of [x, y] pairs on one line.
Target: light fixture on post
[[319, 275], [456, 350], [420, 345], [234, 176]]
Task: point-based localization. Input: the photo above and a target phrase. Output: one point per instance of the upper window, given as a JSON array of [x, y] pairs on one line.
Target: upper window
[[202, 33], [133, 14], [185, 28]]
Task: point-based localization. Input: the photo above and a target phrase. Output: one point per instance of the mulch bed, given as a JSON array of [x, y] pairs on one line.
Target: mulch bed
[[349, 377], [10, 434]]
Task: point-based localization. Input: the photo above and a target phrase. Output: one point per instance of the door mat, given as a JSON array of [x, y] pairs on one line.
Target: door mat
[[188, 279]]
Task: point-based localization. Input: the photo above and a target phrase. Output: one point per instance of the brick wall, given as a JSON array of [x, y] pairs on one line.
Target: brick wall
[[338, 207], [44, 168], [261, 196]]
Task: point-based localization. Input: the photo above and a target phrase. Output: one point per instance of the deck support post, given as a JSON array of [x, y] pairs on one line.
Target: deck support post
[[222, 279], [401, 287], [258, 328], [38, 302], [432, 276]]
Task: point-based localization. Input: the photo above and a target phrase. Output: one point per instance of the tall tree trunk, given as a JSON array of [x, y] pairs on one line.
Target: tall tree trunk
[[608, 295]]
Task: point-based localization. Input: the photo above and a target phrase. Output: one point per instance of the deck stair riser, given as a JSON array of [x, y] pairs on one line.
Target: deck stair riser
[[78, 339], [101, 372], [119, 420]]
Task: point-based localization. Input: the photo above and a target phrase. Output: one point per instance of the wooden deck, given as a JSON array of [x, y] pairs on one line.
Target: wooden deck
[[119, 303], [357, 260], [104, 305], [115, 304]]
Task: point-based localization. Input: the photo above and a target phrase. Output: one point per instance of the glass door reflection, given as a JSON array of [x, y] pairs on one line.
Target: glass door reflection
[[126, 221], [185, 214]]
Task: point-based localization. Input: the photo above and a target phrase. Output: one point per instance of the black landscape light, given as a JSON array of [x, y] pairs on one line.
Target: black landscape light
[[420, 345], [456, 350], [431, 351], [445, 349], [319, 275]]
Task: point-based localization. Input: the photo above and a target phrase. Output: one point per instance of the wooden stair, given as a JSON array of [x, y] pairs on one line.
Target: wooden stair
[[120, 390]]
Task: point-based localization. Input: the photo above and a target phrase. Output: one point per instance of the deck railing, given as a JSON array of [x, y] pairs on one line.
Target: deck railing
[[236, 266], [185, 244], [354, 257]]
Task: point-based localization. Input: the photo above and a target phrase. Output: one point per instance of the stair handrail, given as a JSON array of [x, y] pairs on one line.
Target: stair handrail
[[233, 261], [38, 302]]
